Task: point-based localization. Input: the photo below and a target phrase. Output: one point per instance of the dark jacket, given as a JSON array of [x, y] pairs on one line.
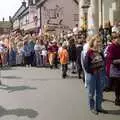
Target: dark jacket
[[93, 62], [79, 49], [72, 53]]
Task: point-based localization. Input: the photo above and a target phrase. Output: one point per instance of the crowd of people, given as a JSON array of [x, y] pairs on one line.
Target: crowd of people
[[95, 59]]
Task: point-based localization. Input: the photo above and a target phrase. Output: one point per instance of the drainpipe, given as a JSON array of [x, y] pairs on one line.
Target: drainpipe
[[101, 12], [40, 18]]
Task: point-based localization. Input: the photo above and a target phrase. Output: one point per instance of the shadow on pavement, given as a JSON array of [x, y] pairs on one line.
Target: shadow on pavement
[[15, 88], [114, 112], [7, 68], [72, 77], [11, 77], [18, 112]]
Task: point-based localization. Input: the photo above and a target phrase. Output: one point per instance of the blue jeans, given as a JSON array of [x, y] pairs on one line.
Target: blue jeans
[[95, 90], [38, 58]]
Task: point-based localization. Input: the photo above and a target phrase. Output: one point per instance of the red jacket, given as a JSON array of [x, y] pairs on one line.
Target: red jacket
[[113, 54]]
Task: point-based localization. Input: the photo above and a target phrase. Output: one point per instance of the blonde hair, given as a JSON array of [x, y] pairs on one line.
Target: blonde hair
[[93, 39]]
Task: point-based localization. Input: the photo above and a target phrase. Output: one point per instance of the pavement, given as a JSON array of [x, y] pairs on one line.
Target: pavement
[[41, 94]]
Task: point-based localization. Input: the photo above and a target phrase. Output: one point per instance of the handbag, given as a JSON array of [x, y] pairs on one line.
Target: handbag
[[114, 71]]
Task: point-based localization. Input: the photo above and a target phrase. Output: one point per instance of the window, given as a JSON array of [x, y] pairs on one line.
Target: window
[[76, 17], [52, 13], [27, 19]]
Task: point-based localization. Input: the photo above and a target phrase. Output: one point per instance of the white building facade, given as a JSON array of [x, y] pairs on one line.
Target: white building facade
[[111, 11], [48, 12], [106, 10], [59, 12]]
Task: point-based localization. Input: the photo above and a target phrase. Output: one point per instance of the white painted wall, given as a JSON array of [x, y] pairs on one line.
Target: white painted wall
[[16, 24], [69, 9], [111, 10]]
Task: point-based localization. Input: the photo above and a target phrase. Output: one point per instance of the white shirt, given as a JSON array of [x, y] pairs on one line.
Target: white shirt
[[59, 50], [44, 52], [75, 30], [42, 47], [37, 47], [85, 49]]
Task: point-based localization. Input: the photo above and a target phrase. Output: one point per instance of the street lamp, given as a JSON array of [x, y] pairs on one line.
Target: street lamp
[[83, 12]]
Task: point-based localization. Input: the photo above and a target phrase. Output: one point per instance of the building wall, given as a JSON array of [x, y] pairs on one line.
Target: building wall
[[16, 24], [111, 11], [108, 11], [68, 14], [27, 22], [68, 9]]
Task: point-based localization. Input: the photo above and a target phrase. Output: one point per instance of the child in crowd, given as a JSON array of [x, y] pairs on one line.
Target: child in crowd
[[44, 56], [64, 58]]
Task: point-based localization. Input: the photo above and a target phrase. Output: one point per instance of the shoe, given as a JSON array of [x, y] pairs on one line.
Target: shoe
[[73, 72], [94, 112], [27, 66], [51, 67], [102, 111], [64, 76], [117, 102], [79, 77]]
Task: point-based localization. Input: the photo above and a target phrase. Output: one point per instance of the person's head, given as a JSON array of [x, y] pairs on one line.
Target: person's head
[[95, 42], [76, 25], [109, 23], [114, 35], [37, 41], [60, 44], [25, 42], [88, 39], [80, 41], [116, 38], [83, 38], [71, 41], [41, 42], [101, 27]]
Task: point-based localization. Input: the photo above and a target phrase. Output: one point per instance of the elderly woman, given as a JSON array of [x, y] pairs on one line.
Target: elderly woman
[[94, 65]]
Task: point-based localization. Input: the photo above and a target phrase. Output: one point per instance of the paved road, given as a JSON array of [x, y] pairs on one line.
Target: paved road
[[41, 94]]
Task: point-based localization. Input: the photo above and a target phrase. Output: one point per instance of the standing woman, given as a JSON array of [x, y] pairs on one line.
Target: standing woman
[[27, 54], [37, 53], [72, 54], [113, 59], [94, 65]]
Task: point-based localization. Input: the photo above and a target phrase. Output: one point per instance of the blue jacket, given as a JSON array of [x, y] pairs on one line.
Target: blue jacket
[[27, 50]]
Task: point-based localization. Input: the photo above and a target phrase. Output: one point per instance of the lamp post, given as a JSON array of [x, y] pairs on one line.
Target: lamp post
[[83, 13], [36, 22], [85, 9]]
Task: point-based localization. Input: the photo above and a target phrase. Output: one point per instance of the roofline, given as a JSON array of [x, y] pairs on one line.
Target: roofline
[[76, 2], [17, 11], [41, 2], [24, 11]]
